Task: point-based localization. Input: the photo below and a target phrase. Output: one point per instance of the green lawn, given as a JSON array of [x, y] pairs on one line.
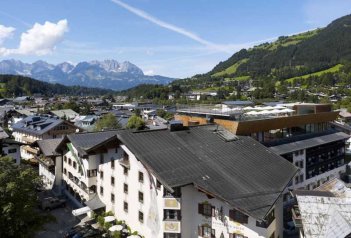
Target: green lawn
[[230, 70], [333, 69]]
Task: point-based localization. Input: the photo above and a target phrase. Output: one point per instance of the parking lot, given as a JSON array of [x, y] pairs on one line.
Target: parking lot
[[64, 221]]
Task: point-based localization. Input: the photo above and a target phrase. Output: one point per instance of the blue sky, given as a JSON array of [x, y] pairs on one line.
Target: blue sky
[[176, 38]]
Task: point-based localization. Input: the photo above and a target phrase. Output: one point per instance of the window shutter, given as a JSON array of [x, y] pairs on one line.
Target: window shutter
[[199, 230], [201, 208], [213, 211]]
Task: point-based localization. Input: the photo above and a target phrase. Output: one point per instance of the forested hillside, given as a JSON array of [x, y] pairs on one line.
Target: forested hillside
[[14, 85], [316, 61]]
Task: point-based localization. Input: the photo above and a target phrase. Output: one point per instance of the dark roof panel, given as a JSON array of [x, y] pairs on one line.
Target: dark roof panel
[[243, 172], [308, 143]]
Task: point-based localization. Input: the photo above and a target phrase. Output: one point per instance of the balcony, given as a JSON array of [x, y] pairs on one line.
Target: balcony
[[171, 203], [171, 226], [28, 140], [296, 216], [48, 163], [30, 150], [82, 186]]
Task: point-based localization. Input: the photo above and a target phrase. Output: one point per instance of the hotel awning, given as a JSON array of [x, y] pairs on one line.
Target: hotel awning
[[81, 211], [92, 204]]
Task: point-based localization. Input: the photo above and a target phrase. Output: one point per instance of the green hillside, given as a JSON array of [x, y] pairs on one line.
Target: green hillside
[[333, 69], [312, 62]]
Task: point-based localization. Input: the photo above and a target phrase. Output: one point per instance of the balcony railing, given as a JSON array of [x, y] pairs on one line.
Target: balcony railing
[[296, 216], [171, 203], [81, 185]]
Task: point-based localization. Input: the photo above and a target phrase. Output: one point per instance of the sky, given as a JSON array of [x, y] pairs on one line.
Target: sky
[[175, 38]]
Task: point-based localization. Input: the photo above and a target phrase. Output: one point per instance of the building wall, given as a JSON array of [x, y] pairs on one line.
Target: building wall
[[15, 151], [151, 207], [191, 219], [252, 126]]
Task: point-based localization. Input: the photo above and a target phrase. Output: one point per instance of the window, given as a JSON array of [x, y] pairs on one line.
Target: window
[[141, 177], [64, 171], [171, 214], [262, 224], [113, 181], [296, 153], [101, 174], [74, 164], [112, 163], [125, 171], [125, 188], [69, 161], [207, 232], [101, 158], [11, 151], [235, 215], [92, 173], [101, 191], [141, 216], [234, 235], [158, 184], [116, 150], [296, 179], [125, 206], [270, 217], [206, 209], [112, 198], [141, 197], [176, 193], [171, 235], [65, 158]]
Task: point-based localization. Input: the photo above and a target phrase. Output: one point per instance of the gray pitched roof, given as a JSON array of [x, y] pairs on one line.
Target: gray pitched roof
[[48, 146], [243, 172], [3, 134], [308, 143], [85, 141], [36, 125]]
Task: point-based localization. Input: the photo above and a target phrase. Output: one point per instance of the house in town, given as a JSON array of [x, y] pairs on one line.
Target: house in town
[[39, 127]]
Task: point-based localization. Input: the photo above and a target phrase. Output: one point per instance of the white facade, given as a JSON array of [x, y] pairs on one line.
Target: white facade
[[12, 150], [134, 195]]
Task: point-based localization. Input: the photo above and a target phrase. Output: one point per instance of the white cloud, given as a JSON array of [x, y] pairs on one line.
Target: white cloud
[[40, 39], [5, 32]]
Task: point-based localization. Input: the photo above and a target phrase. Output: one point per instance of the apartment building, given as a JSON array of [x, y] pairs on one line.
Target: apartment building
[[200, 181], [300, 132], [33, 128]]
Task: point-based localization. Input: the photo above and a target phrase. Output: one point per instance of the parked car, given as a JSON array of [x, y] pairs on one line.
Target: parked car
[[52, 203]]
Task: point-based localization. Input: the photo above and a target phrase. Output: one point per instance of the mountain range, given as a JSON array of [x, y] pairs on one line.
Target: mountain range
[[109, 74]]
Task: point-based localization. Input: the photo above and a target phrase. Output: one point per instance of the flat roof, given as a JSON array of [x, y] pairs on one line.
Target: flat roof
[[308, 143]]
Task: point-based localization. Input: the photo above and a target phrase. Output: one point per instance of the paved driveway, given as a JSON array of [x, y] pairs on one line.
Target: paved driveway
[[64, 221]]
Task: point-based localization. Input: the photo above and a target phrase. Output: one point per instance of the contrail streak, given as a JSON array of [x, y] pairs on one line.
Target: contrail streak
[[172, 27]]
